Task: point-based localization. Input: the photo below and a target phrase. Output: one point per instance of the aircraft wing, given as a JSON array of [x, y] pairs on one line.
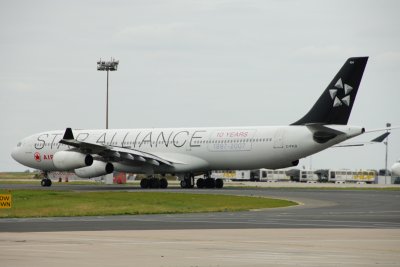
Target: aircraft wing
[[114, 153]]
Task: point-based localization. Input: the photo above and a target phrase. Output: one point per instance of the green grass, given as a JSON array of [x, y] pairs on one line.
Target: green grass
[[55, 183], [39, 203], [17, 175]]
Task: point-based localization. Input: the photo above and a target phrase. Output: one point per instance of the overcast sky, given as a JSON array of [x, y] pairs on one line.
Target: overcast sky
[[195, 63]]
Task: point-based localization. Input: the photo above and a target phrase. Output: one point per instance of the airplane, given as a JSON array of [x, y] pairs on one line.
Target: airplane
[[396, 168], [186, 152]]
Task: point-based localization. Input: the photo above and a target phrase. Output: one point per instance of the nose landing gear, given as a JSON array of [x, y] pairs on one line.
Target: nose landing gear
[[46, 182]]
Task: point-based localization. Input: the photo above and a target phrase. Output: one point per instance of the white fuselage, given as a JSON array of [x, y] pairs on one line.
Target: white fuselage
[[191, 149]]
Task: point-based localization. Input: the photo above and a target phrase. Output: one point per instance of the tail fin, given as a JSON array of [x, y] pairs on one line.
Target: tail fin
[[335, 104]]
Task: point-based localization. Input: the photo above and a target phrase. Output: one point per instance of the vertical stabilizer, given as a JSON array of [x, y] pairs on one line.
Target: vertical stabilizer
[[335, 104]]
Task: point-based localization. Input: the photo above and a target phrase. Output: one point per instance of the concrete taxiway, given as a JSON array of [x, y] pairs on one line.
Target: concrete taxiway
[[246, 247]]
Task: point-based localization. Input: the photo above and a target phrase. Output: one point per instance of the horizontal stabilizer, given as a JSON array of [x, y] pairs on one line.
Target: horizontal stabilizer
[[380, 138], [376, 140]]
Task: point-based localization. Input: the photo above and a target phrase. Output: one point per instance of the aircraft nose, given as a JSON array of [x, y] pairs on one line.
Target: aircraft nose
[[15, 153]]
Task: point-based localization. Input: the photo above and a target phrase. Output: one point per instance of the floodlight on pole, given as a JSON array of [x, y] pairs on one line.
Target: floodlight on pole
[[111, 65], [388, 125]]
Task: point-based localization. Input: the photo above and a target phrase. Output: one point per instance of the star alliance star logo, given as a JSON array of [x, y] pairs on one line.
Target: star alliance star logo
[[334, 94]]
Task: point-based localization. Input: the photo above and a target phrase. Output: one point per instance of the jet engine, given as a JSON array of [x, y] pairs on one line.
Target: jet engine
[[69, 160], [98, 168], [396, 169]]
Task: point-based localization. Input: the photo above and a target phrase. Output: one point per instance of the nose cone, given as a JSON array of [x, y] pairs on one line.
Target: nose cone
[[15, 154]]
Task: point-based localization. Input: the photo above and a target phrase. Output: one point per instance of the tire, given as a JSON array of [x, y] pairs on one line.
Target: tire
[[200, 183], [144, 183], [163, 183], [210, 183], [154, 183], [45, 182], [219, 183], [183, 184]]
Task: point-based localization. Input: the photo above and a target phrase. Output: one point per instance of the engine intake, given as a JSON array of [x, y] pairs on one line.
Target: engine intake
[[98, 168], [69, 160]]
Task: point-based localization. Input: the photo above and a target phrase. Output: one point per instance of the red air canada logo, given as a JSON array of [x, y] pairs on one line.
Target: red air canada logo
[[37, 156]]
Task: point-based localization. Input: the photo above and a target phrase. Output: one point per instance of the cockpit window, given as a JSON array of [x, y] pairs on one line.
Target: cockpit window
[[19, 144]]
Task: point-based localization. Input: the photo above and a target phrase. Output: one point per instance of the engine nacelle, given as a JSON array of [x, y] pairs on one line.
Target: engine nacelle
[[69, 160], [98, 168], [396, 169]]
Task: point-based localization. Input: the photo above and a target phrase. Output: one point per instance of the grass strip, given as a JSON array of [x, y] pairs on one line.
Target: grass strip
[[40, 203]]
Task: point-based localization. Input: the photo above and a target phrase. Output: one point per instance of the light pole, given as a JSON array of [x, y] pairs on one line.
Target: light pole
[[387, 144], [111, 65]]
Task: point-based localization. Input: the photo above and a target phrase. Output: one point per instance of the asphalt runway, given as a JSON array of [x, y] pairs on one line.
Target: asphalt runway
[[320, 208]]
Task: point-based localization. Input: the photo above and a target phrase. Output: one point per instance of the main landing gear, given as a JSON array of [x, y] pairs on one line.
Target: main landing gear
[[206, 182], [188, 181], [153, 182], [210, 183]]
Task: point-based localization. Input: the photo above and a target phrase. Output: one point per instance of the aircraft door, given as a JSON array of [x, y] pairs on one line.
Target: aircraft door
[[279, 138]]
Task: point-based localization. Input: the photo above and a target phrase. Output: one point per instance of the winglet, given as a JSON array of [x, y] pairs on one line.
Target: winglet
[[68, 135]]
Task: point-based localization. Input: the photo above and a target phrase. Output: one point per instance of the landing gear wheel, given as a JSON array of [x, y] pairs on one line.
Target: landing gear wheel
[[154, 183], [219, 183], [188, 181], [210, 183], [183, 184], [46, 182], [200, 183], [163, 183], [144, 183]]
